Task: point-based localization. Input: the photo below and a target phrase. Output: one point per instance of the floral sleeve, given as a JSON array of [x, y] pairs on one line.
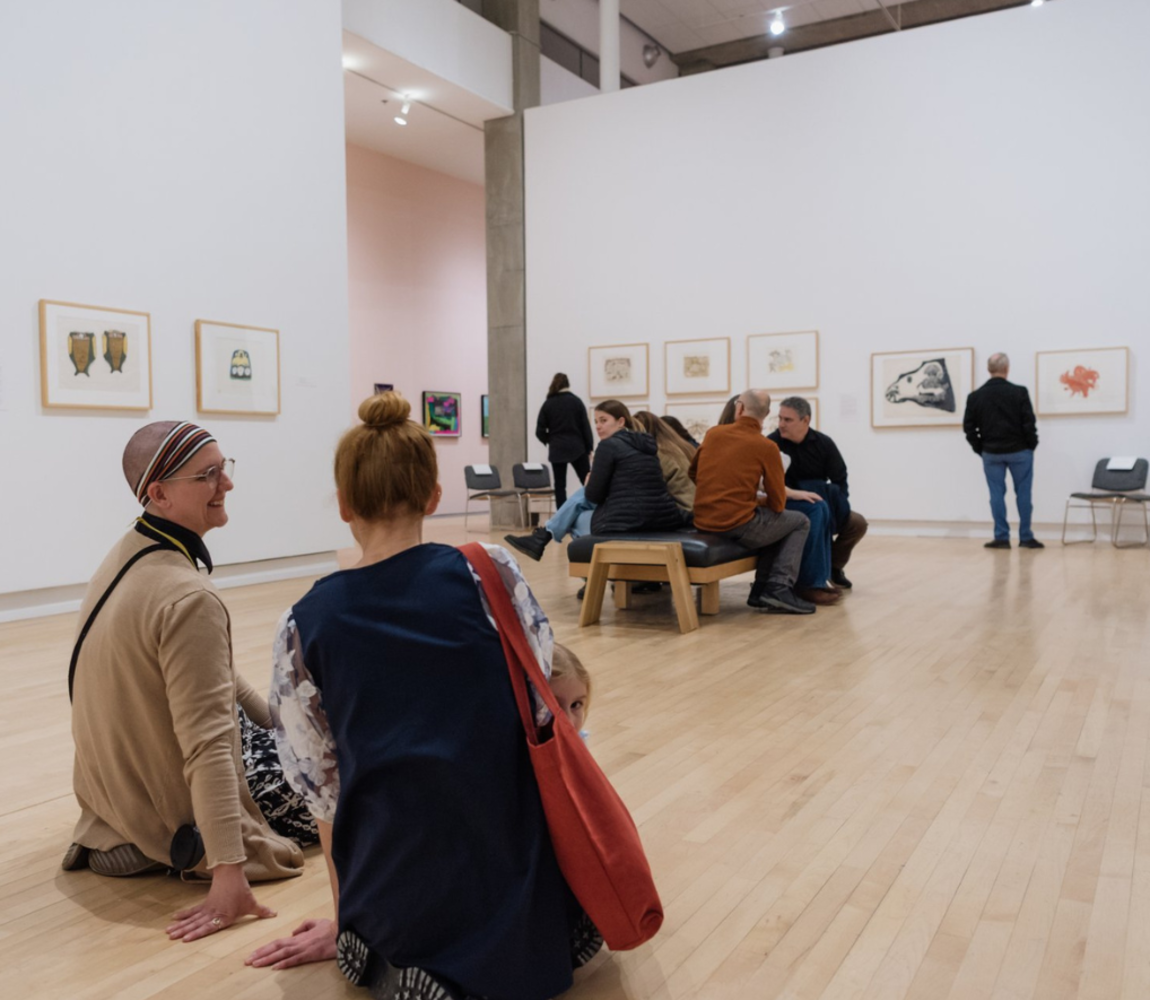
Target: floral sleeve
[[535, 623], [303, 737]]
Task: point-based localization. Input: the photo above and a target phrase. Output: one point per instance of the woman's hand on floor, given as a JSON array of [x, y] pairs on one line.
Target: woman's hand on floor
[[229, 899], [311, 941]]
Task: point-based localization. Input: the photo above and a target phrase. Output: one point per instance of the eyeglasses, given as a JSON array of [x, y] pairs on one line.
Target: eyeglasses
[[212, 475]]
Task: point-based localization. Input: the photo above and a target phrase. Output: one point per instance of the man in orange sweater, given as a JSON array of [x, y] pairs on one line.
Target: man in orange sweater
[[727, 469]]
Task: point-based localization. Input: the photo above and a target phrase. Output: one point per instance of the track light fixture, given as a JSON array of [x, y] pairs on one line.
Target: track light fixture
[[777, 26], [401, 118], [1037, 3]]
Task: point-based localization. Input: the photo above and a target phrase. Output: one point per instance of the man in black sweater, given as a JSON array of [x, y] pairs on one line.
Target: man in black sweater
[[818, 466], [1000, 426]]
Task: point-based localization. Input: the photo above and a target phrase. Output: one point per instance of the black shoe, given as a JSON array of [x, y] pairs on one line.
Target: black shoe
[[1031, 543], [839, 579], [1002, 543], [530, 545], [582, 592], [780, 600], [646, 587]]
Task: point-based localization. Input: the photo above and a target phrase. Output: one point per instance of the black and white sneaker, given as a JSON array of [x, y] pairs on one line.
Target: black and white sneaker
[[780, 601]]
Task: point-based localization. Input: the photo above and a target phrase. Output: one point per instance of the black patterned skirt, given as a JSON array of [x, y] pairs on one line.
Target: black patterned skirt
[[284, 809]]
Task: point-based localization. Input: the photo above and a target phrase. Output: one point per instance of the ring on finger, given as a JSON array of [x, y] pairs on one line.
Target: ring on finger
[[217, 923]]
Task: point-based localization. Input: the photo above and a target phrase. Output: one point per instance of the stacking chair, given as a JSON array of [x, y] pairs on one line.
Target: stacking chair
[[1116, 489], [534, 483], [483, 484]]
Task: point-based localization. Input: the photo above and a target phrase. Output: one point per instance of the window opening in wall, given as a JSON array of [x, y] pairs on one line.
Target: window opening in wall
[[572, 56]]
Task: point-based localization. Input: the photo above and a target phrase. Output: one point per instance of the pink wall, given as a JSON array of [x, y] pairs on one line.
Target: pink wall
[[418, 295]]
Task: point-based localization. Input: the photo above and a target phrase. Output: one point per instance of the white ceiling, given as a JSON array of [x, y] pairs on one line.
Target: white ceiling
[[444, 128], [683, 25]]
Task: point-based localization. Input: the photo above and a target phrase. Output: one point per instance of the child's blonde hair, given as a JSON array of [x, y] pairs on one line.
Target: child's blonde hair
[[564, 663]]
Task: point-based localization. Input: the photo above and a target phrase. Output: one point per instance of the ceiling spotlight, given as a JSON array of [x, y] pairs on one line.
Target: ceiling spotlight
[[406, 107], [1037, 3], [777, 26], [651, 54], [401, 118]]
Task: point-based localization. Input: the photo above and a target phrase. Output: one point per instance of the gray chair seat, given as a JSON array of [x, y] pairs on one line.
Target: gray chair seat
[[700, 549]]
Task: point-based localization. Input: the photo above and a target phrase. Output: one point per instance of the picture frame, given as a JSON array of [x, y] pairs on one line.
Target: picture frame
[[771, 424], [94, 357], [237, 369], [697, 367], [697, 418], [783, 360], [442, 413], [381, 387], [925, 388], [484, 415], [618, 371], [1091, 381]]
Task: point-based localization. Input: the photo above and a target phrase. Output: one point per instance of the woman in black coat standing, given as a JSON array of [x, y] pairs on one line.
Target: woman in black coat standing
[[563, 426]]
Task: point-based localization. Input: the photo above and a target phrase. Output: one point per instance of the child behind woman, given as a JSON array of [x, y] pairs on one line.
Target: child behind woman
[[571, 684]]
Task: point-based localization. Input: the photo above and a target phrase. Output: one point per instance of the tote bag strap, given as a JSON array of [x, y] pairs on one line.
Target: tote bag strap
[[521, 662]]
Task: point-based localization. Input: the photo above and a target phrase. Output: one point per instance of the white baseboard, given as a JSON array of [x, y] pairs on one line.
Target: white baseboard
[[66, 600]]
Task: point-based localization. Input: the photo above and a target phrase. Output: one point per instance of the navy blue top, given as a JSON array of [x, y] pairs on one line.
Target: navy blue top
[[439, 841]]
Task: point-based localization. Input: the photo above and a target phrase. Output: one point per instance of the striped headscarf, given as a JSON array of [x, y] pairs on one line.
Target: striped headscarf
[[179, 443]]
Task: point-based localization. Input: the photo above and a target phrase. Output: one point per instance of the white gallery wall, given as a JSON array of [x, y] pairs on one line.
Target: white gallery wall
[[187, 160], [980, 183]]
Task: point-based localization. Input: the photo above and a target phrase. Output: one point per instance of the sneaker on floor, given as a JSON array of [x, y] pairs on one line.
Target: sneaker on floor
[[531, 545], [582, 592], [839, 579], [1031, 543], [75, 858], [123, 862], [817, 596], [780, 600], [999, 543]]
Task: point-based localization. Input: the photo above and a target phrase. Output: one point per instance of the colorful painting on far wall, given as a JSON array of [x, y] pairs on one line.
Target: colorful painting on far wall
[[1086, 382], [921, 388], [441, 413], [484, 414]]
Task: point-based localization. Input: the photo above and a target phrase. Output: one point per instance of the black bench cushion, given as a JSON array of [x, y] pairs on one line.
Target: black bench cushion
[[700, 550]]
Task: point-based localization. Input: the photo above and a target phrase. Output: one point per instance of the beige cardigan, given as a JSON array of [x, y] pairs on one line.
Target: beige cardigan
[[154, 719]]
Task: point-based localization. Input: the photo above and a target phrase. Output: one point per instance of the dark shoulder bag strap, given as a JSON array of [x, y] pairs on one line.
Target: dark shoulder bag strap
[[96, 610]]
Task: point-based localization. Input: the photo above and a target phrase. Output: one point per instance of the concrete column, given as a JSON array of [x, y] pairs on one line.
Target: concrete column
[[506, 262], [608, 45]]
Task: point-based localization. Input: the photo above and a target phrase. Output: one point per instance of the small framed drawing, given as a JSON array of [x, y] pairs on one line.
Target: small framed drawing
[[771, 424], [618, 371], [694, 367], [1092, 380], [441, 413], [237, 369], [382, 387], [485, 415], [920, 388], [697, 418], [94, 357], [783, 360]]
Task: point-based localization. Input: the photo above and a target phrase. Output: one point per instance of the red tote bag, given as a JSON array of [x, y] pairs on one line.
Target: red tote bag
[[595, 839]]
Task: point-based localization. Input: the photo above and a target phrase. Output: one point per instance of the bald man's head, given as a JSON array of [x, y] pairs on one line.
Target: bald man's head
[[756, 403]]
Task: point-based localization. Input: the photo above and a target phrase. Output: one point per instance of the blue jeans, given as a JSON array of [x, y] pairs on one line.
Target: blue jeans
[[815, 568], [1021, 466], [573, 518]]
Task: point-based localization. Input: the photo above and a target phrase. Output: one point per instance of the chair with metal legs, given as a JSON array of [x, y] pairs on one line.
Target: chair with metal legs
[[533, 480], [483, 484], [1117, 489]]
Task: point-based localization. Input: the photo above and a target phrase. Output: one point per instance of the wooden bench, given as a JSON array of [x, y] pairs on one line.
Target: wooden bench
[[682, 559]]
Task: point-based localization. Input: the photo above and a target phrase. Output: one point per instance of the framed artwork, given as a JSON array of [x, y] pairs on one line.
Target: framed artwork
[[1092, 380], [484, 415], [783, 360], [696, 367], [771, 424], [920, 388], [95, 357], [237, 368], [379, 387], [618, 371], [441, 413], [697, 418]]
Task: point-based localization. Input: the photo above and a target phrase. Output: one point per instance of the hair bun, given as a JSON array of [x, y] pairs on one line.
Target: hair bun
[[388, 409]]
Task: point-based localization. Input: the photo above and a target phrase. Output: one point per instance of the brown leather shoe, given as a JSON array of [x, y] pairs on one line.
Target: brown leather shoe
[[817, 596]]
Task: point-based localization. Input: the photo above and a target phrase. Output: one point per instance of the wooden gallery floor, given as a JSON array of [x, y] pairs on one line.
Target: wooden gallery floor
[[936, 789]]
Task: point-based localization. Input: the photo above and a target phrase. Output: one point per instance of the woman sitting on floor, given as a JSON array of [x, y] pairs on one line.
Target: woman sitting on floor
[[396, 720], [625, 492]]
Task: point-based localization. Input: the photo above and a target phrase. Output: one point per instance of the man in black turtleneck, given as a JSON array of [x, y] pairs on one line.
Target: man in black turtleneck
[[1001, 427]]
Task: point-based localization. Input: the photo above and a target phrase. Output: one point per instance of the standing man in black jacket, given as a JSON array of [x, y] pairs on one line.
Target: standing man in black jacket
[[1000, 426], [563, 426]]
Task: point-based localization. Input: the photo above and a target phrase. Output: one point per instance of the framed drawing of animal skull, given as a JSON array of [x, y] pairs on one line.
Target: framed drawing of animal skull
[[921, 388], [1093, 380]]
